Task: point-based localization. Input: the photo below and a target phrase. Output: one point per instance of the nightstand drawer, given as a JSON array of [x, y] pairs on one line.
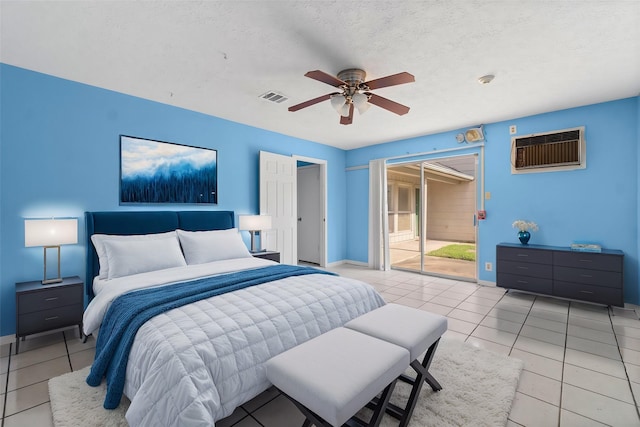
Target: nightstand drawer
[[597, 294], [526, 269], [609, 279], [523, 255], [591, 261], [45, 320], [531, 284], [50, 298]]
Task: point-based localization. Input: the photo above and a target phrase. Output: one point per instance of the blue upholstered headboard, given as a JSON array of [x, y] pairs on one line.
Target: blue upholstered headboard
[[147, 222]]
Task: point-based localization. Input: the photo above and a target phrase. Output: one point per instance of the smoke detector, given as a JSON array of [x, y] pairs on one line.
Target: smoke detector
[[486, 79]]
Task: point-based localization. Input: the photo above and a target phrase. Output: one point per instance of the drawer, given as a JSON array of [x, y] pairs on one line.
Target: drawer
[[45, 320], [592, 261], [523, 255], [525, 269], [524, 283], [29, 302], [609, 279], [599, 294]]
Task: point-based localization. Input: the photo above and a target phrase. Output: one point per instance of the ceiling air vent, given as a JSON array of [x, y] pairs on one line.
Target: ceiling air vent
[[546, 152], [273, 96]]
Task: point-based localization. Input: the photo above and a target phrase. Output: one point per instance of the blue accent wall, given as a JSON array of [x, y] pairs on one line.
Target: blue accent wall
[[598, 204], [60, 157]]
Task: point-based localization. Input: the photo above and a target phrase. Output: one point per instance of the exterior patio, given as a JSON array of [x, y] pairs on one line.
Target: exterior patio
[[406, 255]]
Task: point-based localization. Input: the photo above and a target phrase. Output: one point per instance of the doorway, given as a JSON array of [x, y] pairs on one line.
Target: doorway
[[279, 195], [310, 217], [431, 214]]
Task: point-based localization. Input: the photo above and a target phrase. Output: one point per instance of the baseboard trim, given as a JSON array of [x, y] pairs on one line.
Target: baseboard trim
[[7, 339], [486, 283], [347, 261]]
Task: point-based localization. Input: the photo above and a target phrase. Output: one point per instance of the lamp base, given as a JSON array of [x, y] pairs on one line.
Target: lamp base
[[58, 279]]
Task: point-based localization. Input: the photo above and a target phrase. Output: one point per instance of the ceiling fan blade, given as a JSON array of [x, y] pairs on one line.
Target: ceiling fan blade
[[395, 79], [347, 120], [323, 77], [311, 102], [388, 104]]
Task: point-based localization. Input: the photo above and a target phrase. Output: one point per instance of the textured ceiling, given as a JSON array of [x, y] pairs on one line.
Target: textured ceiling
[[217, 57]]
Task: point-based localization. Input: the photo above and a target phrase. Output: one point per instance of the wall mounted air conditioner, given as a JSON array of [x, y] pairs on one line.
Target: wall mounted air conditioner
[[549, 152]]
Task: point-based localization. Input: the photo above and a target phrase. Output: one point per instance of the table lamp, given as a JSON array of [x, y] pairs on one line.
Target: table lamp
[[50, 234], [254, 224]]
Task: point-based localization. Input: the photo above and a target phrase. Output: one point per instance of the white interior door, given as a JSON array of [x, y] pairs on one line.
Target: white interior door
[[309, 214], [278, 198]]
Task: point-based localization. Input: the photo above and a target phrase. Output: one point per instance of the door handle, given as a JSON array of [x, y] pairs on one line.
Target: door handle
[[299, 219]]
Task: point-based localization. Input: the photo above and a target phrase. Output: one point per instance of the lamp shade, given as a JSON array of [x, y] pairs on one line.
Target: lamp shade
[[337, 102], [254, 222], [361, 102], [50, 232]]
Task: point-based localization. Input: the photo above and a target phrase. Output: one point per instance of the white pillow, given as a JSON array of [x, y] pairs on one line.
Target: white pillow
[[207, 246], [127, 257], [99, 239]]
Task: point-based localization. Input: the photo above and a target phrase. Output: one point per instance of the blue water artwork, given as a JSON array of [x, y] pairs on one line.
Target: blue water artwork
[[163, 172]]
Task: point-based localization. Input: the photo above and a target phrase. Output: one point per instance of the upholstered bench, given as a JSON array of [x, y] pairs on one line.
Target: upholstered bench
[[417, 331], [331, 377]]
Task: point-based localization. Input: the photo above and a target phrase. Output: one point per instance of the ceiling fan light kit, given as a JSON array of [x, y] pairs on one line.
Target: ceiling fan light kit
[[355, 92]]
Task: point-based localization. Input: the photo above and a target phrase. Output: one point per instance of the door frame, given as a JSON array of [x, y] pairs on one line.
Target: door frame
[[323, 203], [478, 150]]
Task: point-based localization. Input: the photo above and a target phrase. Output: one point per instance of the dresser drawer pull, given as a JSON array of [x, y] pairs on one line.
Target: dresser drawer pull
[[523, 268], [586, 275], [51, 318], [586, 292], [586, 260], [523, 254], [51, 299], [522, 281]]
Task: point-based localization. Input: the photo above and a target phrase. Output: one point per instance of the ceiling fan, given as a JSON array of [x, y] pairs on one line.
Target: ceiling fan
[[354, 92]]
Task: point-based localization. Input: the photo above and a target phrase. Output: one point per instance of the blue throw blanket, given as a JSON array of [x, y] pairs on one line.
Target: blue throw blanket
[[130, 311]]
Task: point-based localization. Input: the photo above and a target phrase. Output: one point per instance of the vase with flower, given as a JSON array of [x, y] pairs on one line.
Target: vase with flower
[[524, 229]]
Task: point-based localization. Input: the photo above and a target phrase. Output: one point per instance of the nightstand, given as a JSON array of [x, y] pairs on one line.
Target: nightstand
[[41, 308], [271, 255]]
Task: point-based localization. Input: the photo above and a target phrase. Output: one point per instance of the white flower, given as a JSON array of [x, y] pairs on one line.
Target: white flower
[[522, 225]]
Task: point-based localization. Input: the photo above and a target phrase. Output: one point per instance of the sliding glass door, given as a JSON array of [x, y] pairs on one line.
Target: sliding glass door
[[432, 206]]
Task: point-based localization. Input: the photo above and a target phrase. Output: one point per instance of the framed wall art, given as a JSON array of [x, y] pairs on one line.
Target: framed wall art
[[164, 172]]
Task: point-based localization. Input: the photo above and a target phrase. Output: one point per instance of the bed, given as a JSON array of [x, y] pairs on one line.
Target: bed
[[192, 365]]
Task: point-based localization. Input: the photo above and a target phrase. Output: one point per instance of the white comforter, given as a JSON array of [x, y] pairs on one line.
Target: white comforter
[[194, 365]]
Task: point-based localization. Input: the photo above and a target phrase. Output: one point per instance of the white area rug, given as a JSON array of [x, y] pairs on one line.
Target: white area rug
[[478, 389]]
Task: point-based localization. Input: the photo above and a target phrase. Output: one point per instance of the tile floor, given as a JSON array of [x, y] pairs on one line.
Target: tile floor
[[582, 366]]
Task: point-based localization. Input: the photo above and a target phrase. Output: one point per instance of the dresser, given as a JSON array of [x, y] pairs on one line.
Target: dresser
[[560, 272], [41, 308]]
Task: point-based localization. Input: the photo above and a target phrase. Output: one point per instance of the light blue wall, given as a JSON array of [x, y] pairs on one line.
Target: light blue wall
[[599, 203], [60, 157]]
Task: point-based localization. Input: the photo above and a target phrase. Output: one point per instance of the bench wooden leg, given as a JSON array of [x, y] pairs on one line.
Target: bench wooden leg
[[422, 369], [381, 408], [422, 376]]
